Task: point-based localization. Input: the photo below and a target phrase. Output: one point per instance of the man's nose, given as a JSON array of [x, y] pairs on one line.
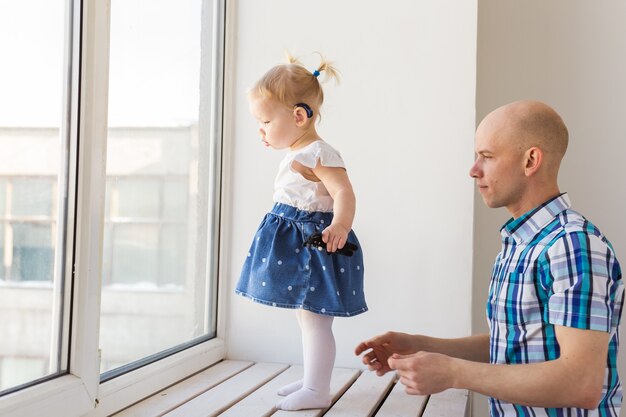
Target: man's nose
[[474, 171]]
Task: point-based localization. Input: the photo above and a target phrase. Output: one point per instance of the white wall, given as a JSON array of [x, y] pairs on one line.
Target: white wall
[[403, 118], [570, 54]]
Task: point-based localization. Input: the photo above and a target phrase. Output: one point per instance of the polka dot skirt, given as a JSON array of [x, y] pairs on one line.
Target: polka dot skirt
[[281, 272]]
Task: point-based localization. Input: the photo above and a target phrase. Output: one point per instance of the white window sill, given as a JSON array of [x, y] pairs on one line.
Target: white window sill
[[67, 396]]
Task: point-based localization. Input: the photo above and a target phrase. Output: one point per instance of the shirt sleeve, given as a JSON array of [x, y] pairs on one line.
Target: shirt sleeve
[[586, 290], [322, 152]]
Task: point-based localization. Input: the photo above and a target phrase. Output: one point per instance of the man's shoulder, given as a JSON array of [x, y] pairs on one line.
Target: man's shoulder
[[573, 227], [572, 221]]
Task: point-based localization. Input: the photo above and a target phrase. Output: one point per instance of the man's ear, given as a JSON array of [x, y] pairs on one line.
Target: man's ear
[[533, 159], [300, 116]]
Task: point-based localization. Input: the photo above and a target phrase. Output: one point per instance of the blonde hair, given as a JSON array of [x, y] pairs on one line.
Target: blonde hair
[[291, 83]]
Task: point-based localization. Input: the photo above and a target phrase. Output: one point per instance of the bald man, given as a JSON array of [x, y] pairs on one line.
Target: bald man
[[555, 297]]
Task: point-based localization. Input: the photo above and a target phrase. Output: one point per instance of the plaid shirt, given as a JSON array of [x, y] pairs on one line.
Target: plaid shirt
[[555, 268]]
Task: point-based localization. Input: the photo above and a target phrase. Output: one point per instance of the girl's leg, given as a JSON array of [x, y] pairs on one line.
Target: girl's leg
[[295, 386], [318, 344]]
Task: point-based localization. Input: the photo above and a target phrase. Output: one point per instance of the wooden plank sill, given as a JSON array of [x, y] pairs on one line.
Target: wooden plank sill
[[246, 389]]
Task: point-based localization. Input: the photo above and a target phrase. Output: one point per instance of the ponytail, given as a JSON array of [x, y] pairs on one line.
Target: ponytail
[[325, 66]]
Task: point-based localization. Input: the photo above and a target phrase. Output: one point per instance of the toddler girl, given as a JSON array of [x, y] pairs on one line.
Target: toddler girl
[[312, 194]]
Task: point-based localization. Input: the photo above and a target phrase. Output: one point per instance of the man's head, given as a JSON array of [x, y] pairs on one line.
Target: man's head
[[519, 148]]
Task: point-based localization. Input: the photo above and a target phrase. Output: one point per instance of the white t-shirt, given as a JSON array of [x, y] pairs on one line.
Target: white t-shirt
[[293, 189]]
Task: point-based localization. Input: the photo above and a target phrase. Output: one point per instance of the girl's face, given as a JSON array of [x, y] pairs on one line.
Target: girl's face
[[277, 124]]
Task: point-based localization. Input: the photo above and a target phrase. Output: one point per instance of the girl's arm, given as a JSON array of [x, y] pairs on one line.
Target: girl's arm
[[339, 187]]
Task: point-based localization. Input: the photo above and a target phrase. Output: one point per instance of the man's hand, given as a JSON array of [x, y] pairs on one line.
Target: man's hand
[[379, 349], [424, 373]]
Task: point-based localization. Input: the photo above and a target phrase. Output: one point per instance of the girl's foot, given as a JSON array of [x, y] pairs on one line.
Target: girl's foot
[[304, 398], [289, 388]]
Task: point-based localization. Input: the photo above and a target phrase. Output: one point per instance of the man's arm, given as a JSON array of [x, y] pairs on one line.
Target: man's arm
[[379, 349], [472, 348], [573, 380]]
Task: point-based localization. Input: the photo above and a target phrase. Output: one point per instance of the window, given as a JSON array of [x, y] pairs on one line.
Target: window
[[155, 291], [33, 183], [110, 150]]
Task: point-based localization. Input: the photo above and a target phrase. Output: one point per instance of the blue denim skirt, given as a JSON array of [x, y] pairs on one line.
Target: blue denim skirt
[[281, 271]]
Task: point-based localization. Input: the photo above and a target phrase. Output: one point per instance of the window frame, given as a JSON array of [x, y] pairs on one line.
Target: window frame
[[80, 392]]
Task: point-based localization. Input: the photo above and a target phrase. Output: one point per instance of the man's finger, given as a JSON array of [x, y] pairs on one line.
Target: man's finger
[[371, 344], [362, 347], [370, 357], [396, 360]]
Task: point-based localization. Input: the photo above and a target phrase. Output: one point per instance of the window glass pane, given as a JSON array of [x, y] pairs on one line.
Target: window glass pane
[[32, 197], [32, 173], [136, 198], [3, 200], [156, 227], [16, 371], [3, 266], [172, 257], [33, 253], [175, 193], [135, 254]]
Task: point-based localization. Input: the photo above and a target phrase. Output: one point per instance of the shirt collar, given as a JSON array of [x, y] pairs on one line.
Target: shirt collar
[[530, 223]]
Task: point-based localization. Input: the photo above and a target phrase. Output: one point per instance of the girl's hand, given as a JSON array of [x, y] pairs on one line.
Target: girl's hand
[[335, 237]]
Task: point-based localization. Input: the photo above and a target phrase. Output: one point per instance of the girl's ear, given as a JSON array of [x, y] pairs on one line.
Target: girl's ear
[[300, 116]]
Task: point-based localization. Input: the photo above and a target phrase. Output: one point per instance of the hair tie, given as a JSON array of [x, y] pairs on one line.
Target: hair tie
[[316, 73], [307, 109]]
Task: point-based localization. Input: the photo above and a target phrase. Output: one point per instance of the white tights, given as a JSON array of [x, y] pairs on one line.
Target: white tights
[[318, 348]]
